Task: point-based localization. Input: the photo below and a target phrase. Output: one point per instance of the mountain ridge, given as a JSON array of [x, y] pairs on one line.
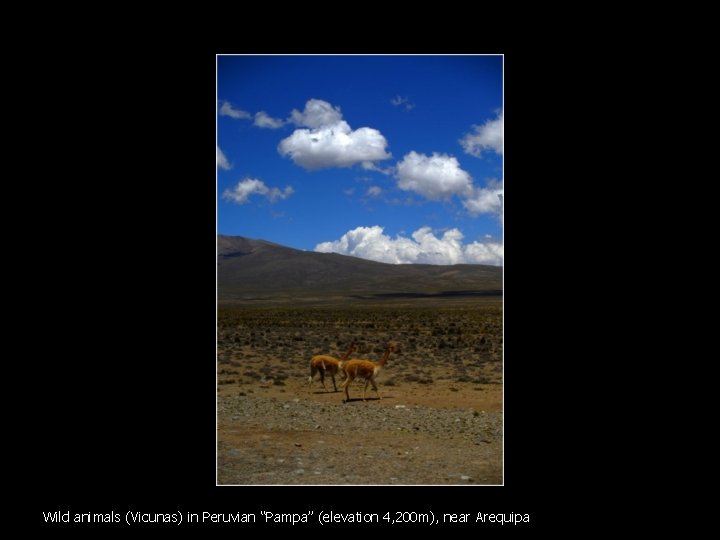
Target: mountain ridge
[[250, 269]]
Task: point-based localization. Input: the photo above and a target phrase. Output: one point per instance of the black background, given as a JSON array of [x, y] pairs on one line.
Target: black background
[[119, 401]]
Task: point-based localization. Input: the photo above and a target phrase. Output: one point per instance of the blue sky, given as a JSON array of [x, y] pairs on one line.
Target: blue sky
[[392, 158]]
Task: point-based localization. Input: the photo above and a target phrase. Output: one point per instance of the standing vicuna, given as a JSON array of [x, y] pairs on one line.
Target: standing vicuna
[[323, 363], [367, 370]]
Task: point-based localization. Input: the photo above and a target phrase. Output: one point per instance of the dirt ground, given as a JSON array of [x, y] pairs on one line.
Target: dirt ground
[[439, 420], [439, 394]]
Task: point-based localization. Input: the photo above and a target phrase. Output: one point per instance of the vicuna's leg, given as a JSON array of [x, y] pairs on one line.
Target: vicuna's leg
[[344, 385], [332, 374], [312, 374], [372, 381], [365, 388], [322, 378]]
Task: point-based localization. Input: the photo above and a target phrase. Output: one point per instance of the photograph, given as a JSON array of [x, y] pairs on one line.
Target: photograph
[[360, 270]]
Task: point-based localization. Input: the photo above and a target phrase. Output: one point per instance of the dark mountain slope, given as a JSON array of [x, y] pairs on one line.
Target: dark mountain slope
[[249, 269]]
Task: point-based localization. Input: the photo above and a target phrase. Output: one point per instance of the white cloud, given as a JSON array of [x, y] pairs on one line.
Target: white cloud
[[487, 200], [317, 113], [485, 253], [434, 177], [227, 110], [329, 141], [220, 159], [489, 136], [263, 120], [374, 191], [400, 101], [274, 194], [423, 248], [439, 177], [252, 186]]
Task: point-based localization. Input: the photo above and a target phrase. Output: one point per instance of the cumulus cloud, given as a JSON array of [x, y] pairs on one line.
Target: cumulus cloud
[[487, 200], [402, 101], [252, 186], [227, 110], [317, 113], [423, 248], [489, 136], [484, 253], [374, 191], [220, 159], [263, 120], [439, 177], [434, 177], [326, 140]]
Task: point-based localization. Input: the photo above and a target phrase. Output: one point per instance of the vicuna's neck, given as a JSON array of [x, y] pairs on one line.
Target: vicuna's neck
[[345, 356], [385, 357]]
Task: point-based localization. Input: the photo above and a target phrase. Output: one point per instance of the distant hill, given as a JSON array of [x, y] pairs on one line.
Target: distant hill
[[260, 270]]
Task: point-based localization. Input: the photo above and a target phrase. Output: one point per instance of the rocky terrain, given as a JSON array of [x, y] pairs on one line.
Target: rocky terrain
[[439, 420]]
